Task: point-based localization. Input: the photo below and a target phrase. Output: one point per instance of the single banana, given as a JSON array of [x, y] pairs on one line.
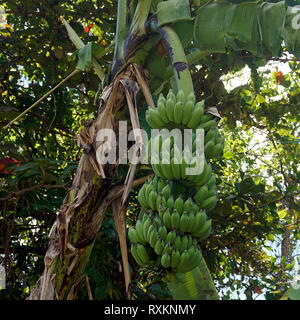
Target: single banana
[[146, 226], [201, 194], [175, 219], [187, 205], [153, 238], [156, 120], [200, 219], [142, 253], [187, 112], [208, 202], [139, 227], [184, 243], [166, 192], [178, 205], [175, 258], [165, 260], [159, 247], [167, 220], [170, 110], [135, 255], [163, 232], [152, 200], [184, 221], [178, 111], [171, 237], [180, 95], [196, 115], [161, 108], [132, 235]]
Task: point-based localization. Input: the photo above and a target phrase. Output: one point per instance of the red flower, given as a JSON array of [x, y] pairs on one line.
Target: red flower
[[4, 162], [88, 28], [279, 77]]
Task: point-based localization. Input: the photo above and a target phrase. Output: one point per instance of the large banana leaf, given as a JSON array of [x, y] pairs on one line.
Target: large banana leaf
[[259, 27], [291, 34], [194, 285]]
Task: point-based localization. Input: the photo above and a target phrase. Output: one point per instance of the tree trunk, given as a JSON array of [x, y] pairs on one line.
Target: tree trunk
[[80, 217]]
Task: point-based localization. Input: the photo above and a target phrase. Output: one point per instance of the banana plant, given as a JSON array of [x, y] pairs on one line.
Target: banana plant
[[166, 38]]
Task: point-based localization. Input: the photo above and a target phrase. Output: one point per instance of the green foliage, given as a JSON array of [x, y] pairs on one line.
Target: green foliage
[[256, 27], [258, 182]]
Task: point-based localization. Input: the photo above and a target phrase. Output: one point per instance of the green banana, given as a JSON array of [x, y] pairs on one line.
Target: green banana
[[201, 194], [177, 243], [191, 221], [200, 219], [140, 232], [161, 109], [187, 205], [170, 203], [178, 110], [167, 220], [208, 125], [196, 115], [142, 253], [178, 205], [210, 136], [180, 96], [184, 243], [153, 238], [135, 255], [175, 258], [141, 198], [163, 232], [206, 118], [184, 221], [208, 202], [205, 231], [209, 149], [155, 119], [166, 192], [132, 235], [187, 112], [152, 200], [159, 247], [175, 219], [171, 237], [170, 110], [184, 262], [165, 260], [146, 226]]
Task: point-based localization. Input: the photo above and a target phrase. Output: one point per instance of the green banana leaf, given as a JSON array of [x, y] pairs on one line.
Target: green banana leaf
[[194, 285], [258, 27], [173, 11], [272, 17], [211, 24], [291, 32]]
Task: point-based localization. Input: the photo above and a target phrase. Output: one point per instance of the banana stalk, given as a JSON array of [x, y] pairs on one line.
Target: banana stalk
[[177, 55]]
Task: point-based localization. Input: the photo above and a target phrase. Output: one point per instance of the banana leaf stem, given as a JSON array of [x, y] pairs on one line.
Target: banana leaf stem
[[119, 39], [176, 52]]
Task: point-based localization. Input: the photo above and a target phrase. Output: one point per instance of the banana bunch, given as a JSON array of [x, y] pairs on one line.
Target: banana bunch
[[173, 217], [153, 193], [179, 111], [153, 243], [213, 144], [170, 163]]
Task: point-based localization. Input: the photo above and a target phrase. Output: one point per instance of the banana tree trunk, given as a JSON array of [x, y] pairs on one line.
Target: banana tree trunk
[[81, 215]]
